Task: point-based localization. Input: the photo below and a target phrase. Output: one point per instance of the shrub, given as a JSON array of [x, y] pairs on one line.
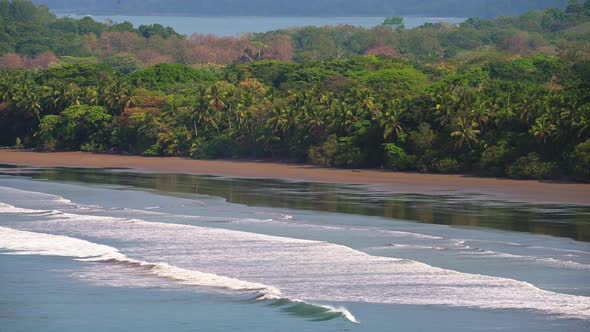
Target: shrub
[[221, 146], [93, 147], [337, 152], [48, 133], [447, 165], [164, 76], [152, 151], [495, 158], [324, 154], [19, 143], [123, 63], [348, 156], [396, 158], [82, 125], [532, 167], [77, 126], [580, 161], [422, 139]]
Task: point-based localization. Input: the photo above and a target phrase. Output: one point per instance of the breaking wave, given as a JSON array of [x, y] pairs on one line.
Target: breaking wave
[[313, 271], [31, 243]]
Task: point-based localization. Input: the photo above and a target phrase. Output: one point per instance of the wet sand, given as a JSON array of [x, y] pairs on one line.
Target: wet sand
[[501, 189]]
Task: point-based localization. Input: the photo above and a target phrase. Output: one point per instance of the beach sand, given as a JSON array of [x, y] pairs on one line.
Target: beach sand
[[400, 182]]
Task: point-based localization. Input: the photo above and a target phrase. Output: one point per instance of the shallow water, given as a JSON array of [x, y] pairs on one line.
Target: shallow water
[[236, 25], [182, 252]]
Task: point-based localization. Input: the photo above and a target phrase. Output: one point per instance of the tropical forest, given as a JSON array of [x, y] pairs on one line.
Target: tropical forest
[[501, 97]]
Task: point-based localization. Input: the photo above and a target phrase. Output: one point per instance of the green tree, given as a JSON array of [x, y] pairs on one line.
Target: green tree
[[543, 129], [465, 132], [395, 21], [84, 125]]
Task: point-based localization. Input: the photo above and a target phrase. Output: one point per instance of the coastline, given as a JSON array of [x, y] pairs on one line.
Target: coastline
[[529, 191]]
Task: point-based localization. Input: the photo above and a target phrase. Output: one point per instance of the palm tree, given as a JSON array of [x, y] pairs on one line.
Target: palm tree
[[543, 129], [215, 98], [6, 89], [28, 100], [391, 120], [481, 113], [466, 132], [90, 95], [118, 96], [446, 102], [54, 97], [581, 121], [279, 120]]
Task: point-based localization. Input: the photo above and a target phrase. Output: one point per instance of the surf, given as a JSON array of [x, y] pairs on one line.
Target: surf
[[32, 243], [314, 271]]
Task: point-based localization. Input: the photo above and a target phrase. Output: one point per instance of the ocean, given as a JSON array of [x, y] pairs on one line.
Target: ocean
[[237, 25], [115, 250]]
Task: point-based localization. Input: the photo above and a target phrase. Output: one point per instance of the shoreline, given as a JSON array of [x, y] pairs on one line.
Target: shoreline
[[529, 191]]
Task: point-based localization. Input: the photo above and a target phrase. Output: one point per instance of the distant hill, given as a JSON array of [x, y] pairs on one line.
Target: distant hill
[[447, 8]]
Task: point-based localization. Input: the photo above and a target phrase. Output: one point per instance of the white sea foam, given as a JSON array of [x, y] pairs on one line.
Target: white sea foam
[[541, 260], [55, 201], [347, 314], [302, 269], [10, 209], [410, 234], [32, 243]]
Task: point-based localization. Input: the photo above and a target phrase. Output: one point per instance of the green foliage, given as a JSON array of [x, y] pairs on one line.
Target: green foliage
[[76, 127], [49, 131], [324, 154], [271, 72], [78, 73], [447, 165], [337, 153], [348, 155], [395, 21], [495, 158], [217, 147], [84, 125], [536, 69], [450, 99], [580, 161], [166, 76], [149, 31], [532, 167], [32, 30], [122, 63], [397, 159], [405, 79]]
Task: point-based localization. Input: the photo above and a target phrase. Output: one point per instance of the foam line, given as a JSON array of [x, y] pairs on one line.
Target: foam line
[[31, 243], [302, 269]]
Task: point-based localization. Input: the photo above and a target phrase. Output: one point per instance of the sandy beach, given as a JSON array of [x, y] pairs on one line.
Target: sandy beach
[[502, 189]]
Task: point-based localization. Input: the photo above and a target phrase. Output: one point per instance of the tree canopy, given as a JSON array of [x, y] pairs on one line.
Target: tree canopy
[[503, 97]]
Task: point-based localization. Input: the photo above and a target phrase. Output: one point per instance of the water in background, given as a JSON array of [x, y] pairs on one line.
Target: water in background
[[236, 25], [98, 250]]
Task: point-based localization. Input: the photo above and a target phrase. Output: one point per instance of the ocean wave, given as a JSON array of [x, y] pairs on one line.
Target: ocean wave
[[302, 269], [58, 200], [541, 260], [312, 311], [10, 209], [32, 243]]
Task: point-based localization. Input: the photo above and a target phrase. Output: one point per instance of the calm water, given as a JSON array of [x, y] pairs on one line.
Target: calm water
[[236, 25], [113, 250]]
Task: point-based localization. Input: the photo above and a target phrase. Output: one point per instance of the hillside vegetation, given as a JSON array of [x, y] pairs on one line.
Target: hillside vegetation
[[503, 97]]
